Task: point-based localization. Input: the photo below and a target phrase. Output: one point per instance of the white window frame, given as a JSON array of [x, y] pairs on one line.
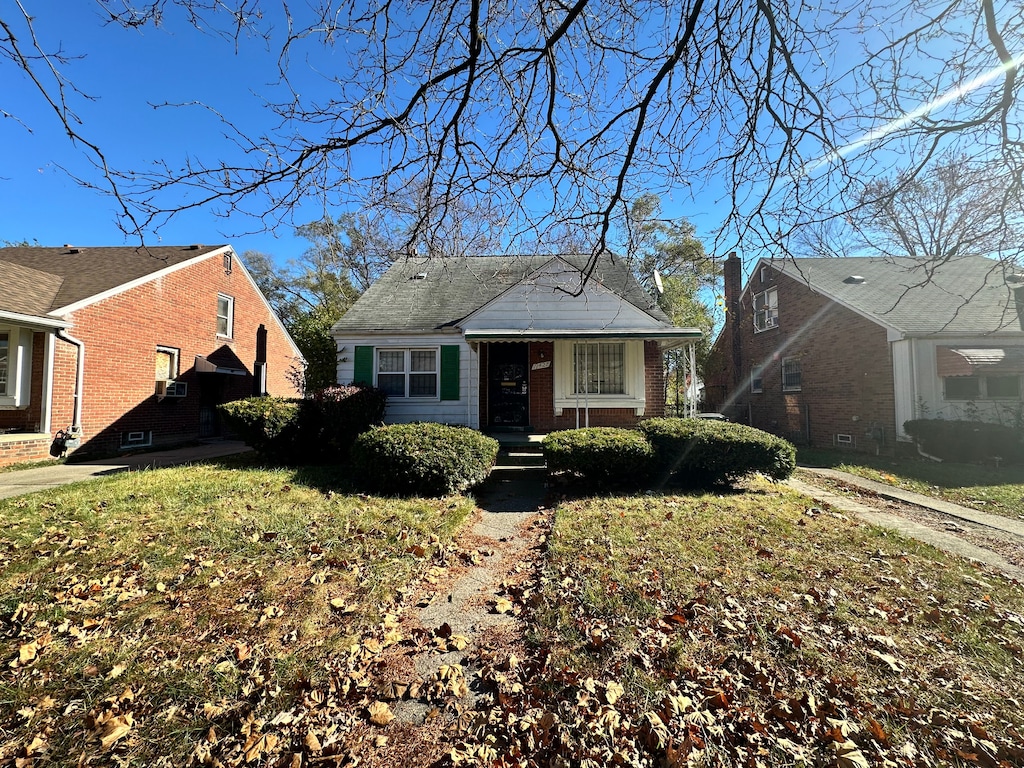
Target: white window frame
[[634, 379], [407, 372], [8, 380], [786, 362], [766, 310], [19, 368], [229, 319], [174, 367], [757, 381]]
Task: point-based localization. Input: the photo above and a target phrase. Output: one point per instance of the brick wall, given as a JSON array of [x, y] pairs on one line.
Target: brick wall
[[846, 370], [178, 310], [14, 450]]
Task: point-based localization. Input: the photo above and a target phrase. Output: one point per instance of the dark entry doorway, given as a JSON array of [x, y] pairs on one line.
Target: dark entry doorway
[[508, 385]]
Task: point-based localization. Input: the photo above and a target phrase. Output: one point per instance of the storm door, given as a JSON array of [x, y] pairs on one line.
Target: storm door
[[508, 385]]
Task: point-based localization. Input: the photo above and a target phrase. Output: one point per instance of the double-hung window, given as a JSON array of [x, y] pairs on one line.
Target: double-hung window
[[408, 373], [225, 315], [757, 380], [599, 369], [5, 358], [766, 310]]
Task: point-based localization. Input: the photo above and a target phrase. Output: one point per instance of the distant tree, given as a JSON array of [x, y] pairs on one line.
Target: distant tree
[[688, 276], [959, 207]]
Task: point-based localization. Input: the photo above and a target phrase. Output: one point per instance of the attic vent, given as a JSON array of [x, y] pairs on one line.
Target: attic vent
[[419, 276], [854, 280], [194, 247], [73, 249], [1015, 279]]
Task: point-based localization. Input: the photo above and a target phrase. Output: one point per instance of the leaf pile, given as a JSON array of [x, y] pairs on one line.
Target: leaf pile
[[751, 630]]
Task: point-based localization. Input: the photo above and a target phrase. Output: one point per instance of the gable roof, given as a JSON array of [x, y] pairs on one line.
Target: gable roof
[[49, 279], [969, 295], [450, 289]]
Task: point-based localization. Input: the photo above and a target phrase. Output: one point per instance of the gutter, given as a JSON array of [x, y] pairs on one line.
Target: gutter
[[76, 419]]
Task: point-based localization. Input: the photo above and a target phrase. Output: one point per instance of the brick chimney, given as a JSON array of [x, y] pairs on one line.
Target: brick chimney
[[732, 273]]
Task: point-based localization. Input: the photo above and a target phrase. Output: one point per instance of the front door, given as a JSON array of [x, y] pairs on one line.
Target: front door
[[508, 385]]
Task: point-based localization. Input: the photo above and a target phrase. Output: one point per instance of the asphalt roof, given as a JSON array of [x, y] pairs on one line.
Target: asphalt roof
[[969, 295], [455, 287], [38, 280]]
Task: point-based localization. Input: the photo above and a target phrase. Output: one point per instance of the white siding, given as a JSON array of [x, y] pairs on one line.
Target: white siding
[[465, 410], [903, 383], [546, 301]]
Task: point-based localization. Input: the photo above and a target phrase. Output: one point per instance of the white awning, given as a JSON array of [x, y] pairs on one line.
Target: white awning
[[979, 361], [669, 337]]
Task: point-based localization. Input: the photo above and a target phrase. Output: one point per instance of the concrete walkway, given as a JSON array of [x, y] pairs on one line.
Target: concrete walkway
[[21, 481], [943, 540], [1005, 524]]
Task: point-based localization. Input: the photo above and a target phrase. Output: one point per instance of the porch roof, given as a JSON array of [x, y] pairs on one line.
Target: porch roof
[[670, 337]]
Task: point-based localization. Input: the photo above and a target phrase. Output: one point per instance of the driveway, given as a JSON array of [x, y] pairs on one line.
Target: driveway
[[40, 478]]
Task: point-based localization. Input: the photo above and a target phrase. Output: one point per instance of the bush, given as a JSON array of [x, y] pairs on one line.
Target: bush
[[966, 441], [604, 456], [268, 425], [318, 429], [422, 459], [706, 452], [331, 419]]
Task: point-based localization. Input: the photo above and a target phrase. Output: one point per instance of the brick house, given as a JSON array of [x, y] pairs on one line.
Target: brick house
[[842, 351], [510, 343], [130, 347]]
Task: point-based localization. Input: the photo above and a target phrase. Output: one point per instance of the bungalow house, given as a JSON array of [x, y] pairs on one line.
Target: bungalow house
[[842, 351], [510, 343], [124, 348]]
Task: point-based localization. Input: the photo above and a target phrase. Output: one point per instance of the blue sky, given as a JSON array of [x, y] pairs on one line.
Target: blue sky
[[126, 72]]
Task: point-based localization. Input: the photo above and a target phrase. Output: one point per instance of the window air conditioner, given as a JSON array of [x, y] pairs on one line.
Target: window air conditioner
[[171, 389]]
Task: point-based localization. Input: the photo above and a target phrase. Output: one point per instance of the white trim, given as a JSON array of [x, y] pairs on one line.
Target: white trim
[[33, 320], [137, 282], [46, 407], [229, 327], [634, 380]]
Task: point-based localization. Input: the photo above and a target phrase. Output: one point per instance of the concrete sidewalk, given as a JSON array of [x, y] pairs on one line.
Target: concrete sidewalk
[[40, 478], [1005, 524]]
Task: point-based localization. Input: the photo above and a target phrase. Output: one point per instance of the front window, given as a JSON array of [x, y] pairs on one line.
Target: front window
[[411, 373], [982, 387], [792, 379], [5, 347], [599, 369], [225, 315], [766, 310]]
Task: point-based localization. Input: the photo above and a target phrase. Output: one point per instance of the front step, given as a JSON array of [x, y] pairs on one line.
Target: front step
[[521, 456]]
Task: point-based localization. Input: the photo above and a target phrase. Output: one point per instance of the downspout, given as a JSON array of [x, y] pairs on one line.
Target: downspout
[[76, 418]]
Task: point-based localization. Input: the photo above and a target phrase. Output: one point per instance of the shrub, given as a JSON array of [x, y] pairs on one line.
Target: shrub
[[424, 459], [318, 429], [601, 455], [965, 441], [332, 418], [706, 452], [268, 425]]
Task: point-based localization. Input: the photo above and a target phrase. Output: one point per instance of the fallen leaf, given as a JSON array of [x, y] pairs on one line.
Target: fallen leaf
[[380, 713]]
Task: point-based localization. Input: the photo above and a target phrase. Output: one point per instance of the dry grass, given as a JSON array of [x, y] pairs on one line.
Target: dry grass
[[150, 616]]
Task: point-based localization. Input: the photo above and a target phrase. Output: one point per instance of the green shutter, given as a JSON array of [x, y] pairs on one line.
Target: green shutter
[[363, 373], [450, 372]]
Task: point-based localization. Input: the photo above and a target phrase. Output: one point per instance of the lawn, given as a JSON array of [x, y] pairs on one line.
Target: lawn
[[746, 629], [246, 616], [168, 617], [985, 488]]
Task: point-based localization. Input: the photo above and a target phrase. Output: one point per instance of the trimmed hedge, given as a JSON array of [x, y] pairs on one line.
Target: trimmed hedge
[[966, 441], [268, 425], [706, 452], [601, 455], [423, 459], [318, 429]]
